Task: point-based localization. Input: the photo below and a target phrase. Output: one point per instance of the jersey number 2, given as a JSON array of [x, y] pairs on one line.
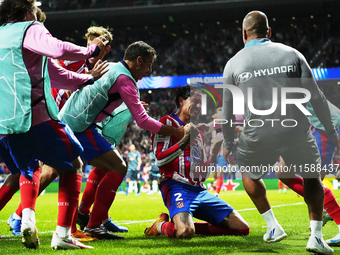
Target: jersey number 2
[[178, 196]]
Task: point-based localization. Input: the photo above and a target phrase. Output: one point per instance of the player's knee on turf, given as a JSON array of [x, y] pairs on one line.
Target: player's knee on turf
[[235, 221], [186, 232], [184, 225]]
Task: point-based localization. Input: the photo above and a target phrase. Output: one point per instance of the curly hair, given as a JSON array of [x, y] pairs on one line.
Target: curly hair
[[41, 16], [15, 10], [93, 32], [185, 92]]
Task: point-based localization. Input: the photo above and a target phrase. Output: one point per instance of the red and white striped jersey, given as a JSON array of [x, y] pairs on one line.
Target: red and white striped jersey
[[74, 66], [59, 95], [188, 166]]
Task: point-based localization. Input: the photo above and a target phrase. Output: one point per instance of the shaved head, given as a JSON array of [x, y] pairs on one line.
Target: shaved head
[[255, 26]]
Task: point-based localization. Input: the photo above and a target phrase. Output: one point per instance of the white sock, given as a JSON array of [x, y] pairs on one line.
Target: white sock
[[316, 228], [63, 231], [28, 215], [159, 227], [16, 216], [270, 219]]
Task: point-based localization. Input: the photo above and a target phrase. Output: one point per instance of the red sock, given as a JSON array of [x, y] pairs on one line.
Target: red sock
[[105, 195], [280, 184], [29, 190], [19, 210], [93, 180], [201, 228], [219, 183], [68, 197], [297, 185], [207, 229], [6, 193], [75, 216], [168, 229], [74, 221], [331, 205]]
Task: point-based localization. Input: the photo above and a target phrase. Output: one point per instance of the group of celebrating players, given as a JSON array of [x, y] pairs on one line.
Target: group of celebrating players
[[45, 135]]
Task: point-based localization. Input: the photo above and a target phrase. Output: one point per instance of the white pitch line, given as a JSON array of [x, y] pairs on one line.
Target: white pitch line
[[251, 209], [143, 221], [10, 237]]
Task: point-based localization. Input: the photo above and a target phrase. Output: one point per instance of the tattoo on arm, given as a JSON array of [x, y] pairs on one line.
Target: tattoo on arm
[[186, 219]]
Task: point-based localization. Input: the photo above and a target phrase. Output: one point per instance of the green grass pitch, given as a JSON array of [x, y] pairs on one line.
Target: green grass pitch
[[137, 212]]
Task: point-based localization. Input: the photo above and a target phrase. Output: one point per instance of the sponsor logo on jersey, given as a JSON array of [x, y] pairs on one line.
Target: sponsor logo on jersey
[[275, 70], [243, 77]]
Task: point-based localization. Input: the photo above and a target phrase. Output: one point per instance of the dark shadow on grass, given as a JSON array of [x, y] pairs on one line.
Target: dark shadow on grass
[[243, 243], [265, 251], [156, 244]]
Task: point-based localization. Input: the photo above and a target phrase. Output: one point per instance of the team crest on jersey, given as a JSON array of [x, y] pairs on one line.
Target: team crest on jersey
[[179, 204], [190, 159]]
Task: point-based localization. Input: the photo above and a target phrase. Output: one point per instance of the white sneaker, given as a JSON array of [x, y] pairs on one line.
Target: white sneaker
[[335, 241], [66, 243], [29, 235], [318, 245], [275, 234]]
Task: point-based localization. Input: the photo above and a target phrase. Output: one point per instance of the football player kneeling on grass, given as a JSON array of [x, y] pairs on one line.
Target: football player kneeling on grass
[[181, 164]]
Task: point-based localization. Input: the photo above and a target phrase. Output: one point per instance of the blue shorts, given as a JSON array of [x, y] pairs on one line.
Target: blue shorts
[[94, 143], [51, 142], [133, 174], [7, 158], [220, 161], [179, 197], [326, 147]]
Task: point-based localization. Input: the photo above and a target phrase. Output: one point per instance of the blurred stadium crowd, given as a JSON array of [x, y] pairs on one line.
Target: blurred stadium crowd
[[211, 45], [56, 5]]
